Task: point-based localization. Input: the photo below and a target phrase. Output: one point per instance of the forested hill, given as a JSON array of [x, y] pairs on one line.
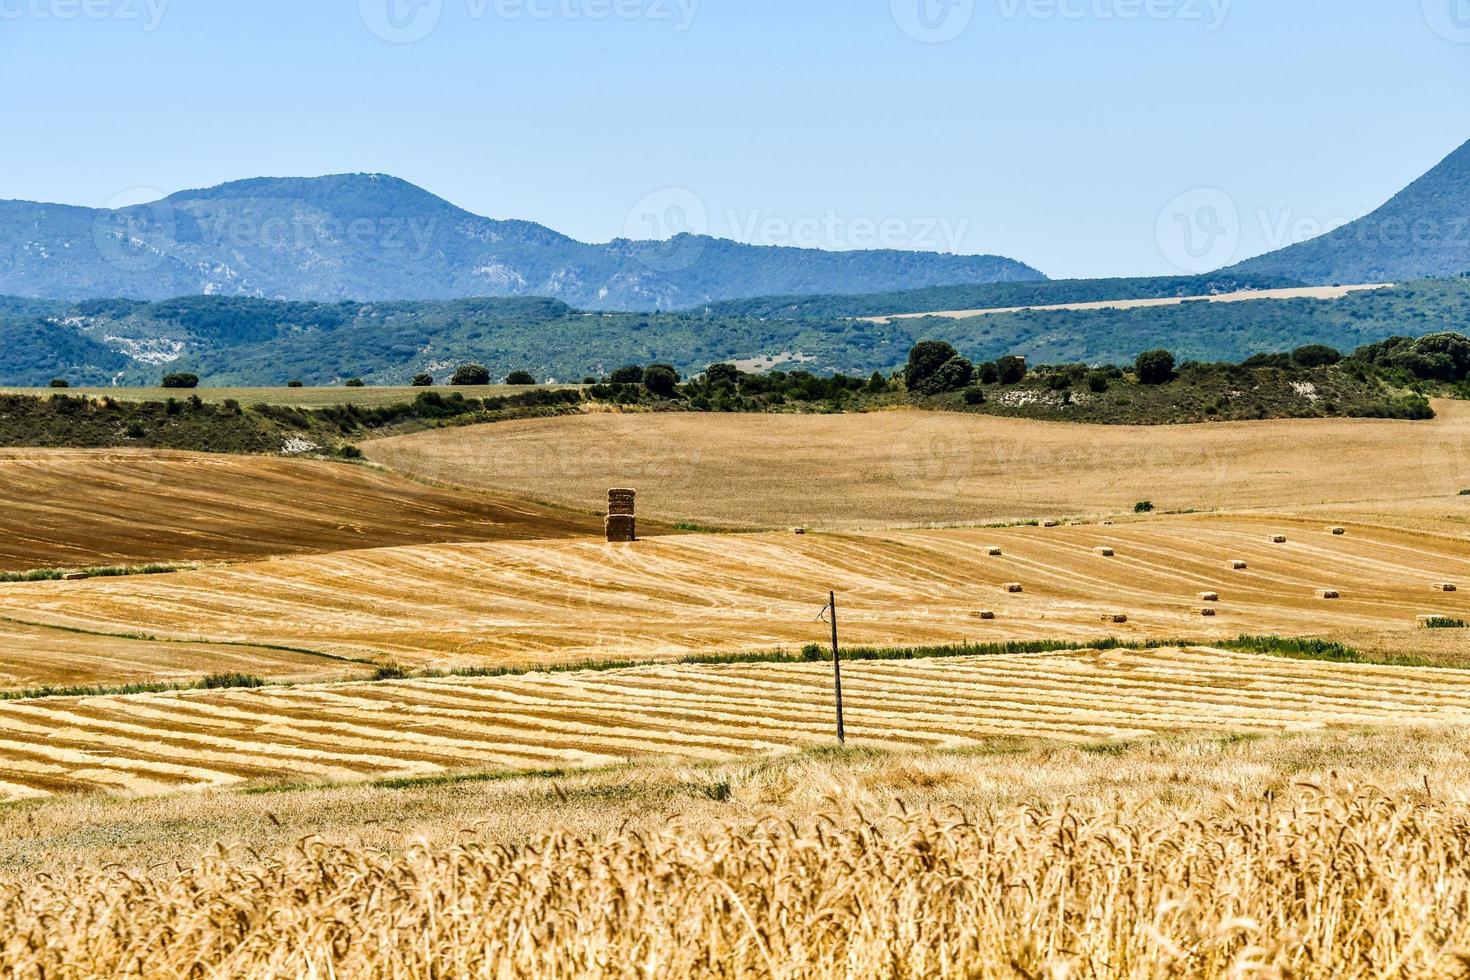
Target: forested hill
[[374, 237], [234, 341]]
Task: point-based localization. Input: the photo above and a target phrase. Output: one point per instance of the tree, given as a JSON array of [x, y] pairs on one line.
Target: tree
[[722, 374], [518, 378], [877, 384], [988, 373], [356, 383], [631, 374], [975, 395], [953, 374], [295, 384], [1011, 370], [423, 380], [1316, 355], [1154, 367], [181, 380], [470, 374], [661, 380], [925, 358], [60, 383]]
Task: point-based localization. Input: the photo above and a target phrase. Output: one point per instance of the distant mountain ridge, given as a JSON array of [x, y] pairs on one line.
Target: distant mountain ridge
[[1423, 231], [371, 237]]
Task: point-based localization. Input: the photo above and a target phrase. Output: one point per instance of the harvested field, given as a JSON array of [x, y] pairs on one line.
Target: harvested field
[[545, 602], [81, 508], [168, 742], [34, 657], [926, 468], [1244, 296]]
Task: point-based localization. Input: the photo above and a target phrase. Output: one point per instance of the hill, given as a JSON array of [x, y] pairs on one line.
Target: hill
[[1422, 231], [375, 237], [234, 341]]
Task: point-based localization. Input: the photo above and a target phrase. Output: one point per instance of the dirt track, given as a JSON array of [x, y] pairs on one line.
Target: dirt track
[[83, 508], [1245, 296]]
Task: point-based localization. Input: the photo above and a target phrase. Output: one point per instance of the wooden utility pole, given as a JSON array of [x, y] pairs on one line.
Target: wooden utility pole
[[837, 668]]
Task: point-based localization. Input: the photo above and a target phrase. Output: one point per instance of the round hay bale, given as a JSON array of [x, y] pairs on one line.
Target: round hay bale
[[1209, 611], [1339, 531], [985, 614], [798, 530]]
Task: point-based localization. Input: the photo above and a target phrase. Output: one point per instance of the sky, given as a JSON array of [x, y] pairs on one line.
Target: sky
[[1085, 137]]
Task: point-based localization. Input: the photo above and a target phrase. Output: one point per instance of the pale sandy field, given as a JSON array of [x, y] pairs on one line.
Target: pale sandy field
[[921, 468], [1245, 296]]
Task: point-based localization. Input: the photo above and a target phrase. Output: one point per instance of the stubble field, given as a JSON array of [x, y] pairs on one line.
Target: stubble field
[[924, 468]]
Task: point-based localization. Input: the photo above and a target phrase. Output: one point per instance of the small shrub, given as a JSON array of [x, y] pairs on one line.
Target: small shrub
[[1143, 507], [423, 380], [348, 451], [1445, 623], [355, 383], [520, 378], [975, 395], [812, 653], [392, 672], [181, 380], [295, 384], [215, 682], [60, 383]]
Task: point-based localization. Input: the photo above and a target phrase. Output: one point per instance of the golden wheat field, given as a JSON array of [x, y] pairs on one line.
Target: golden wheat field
[[66, 508], [1330, 882], [924, 468], [548, 602]]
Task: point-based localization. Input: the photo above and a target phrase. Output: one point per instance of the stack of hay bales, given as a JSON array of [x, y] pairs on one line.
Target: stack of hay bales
[[1209, 611], [994, 551], [1278, 539], [985, 615], [1240, 565], [1328, 594], [1447, 587], [1209, 597], [1014, 588], [622, 524], [1105, 552], [1117, 618]]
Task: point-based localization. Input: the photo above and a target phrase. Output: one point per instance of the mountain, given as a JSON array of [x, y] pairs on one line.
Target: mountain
[[1423, 231], [373, 237]]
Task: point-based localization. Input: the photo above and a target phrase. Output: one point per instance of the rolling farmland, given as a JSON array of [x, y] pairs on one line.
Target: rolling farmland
[[68, 508], [179, 741], [927, 468], [557, 602]]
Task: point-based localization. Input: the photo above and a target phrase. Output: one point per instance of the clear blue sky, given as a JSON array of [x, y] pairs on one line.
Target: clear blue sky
[[1054, 131]]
